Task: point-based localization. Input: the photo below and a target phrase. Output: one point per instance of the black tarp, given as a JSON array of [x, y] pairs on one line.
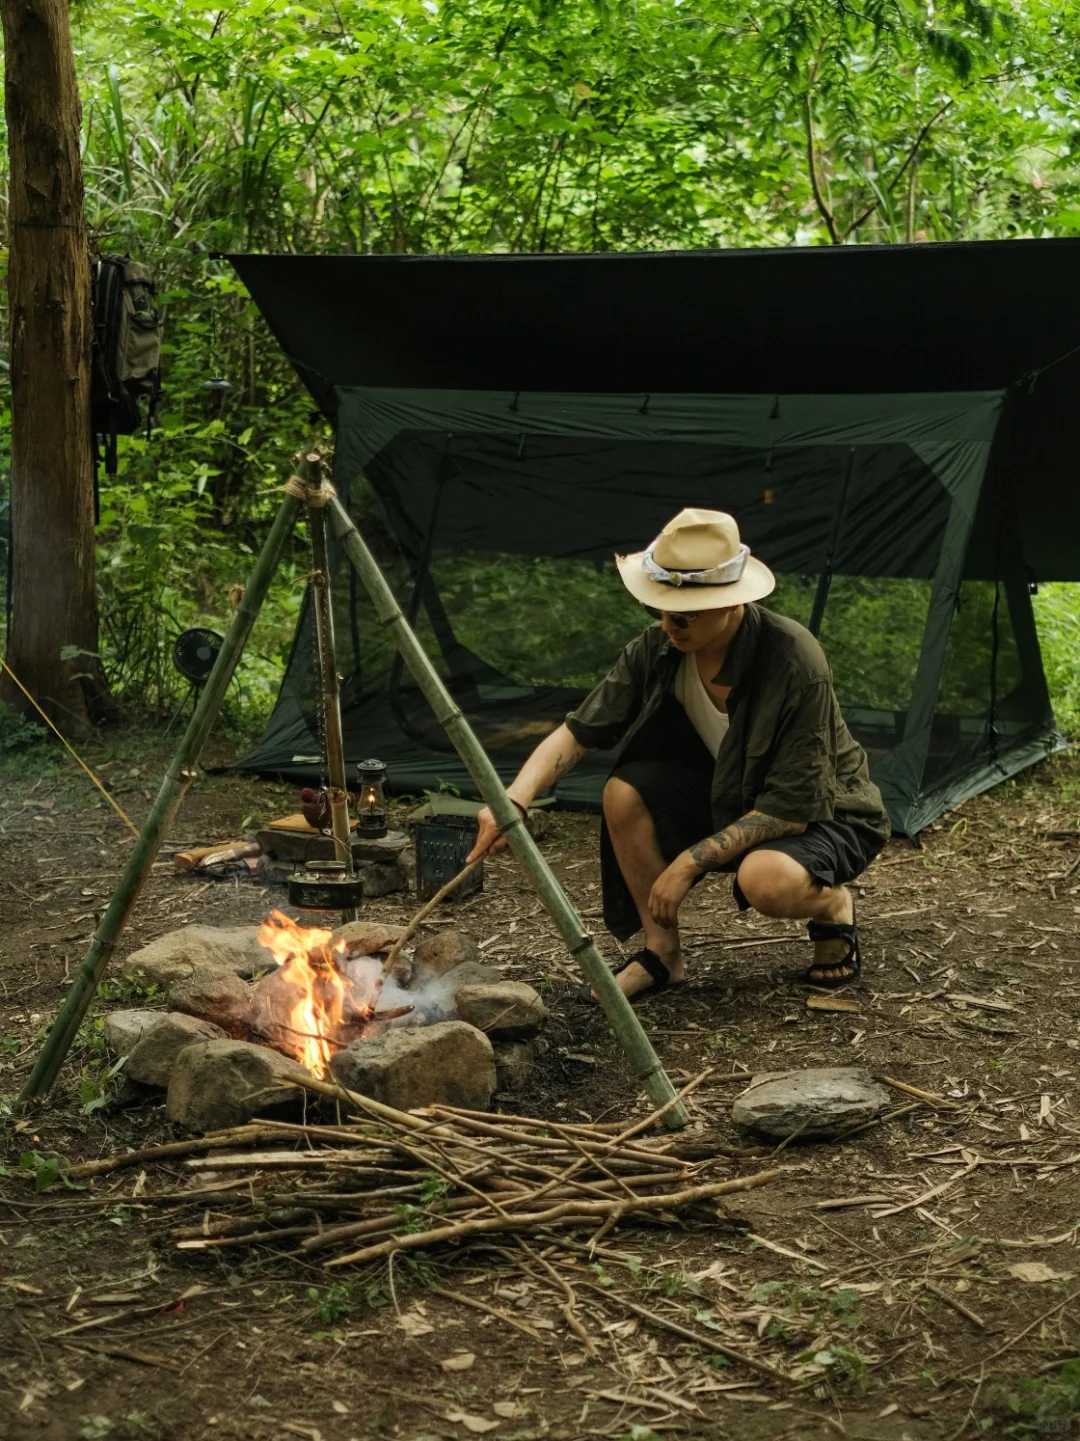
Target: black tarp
[[563, 407]]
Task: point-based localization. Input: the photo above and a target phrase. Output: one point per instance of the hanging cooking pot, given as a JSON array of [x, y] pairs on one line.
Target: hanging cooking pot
[[325, 886]]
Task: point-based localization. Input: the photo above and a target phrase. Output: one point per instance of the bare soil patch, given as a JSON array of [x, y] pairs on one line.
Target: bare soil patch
[[948, 1305]]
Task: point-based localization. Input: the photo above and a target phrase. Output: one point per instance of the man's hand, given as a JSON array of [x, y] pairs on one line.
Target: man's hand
[[488, 838], [671, 888]]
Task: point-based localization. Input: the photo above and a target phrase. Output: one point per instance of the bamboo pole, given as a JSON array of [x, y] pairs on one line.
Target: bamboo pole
[[643, 1058], [169, 798], [328, 679]]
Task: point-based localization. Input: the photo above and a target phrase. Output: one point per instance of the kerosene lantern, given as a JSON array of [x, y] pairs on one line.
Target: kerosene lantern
[[371, 814]]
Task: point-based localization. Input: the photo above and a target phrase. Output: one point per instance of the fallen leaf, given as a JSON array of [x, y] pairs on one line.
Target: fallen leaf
[[1036, 1272], [414, 1325], [476, 1424], [831, 1003], [716, 1272], [508, 1408], [461, 1362]]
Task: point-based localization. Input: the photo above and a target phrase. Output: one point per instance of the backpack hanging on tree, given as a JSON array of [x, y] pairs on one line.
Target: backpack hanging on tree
[[125, 367]]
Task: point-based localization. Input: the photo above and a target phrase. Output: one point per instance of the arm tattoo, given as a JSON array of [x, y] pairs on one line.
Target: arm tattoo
[[715, 852]]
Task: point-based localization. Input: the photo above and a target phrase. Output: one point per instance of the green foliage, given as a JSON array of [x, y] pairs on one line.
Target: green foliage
[[1057, 614], [411, 1219], [332, 1305], [98, 1085], [20, 737], [94, 1427], [47, 1169], [1038, 1405], [434, 1189], [848, 1368], [394, 126]]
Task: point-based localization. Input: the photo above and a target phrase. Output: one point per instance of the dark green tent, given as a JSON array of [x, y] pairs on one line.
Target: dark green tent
[[892, 427]]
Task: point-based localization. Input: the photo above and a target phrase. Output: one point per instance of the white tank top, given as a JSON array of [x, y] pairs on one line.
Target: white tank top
[[710, 723]]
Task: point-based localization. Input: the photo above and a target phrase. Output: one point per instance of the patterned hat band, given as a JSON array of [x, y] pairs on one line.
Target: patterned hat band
[[726, 573]]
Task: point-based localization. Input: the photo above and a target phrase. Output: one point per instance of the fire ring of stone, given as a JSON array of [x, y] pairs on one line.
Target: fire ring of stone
[[251, 1005]]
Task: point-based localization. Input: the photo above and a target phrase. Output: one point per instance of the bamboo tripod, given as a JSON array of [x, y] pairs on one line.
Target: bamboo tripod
[[307, 488]]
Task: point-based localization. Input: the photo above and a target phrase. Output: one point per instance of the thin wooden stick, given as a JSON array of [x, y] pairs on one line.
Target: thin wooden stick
[[418, 919], [338, 1092], [950, 1300], [248, 1239], [939, 1102], [569, 1306], [590, 1131], [1057, 1306], [600, 1148], [566, 1210], [478, 1305], [212, 1141], [660, 1113], [709, 1342]]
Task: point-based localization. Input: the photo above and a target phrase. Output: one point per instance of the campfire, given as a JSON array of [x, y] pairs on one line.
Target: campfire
[[319, 999]]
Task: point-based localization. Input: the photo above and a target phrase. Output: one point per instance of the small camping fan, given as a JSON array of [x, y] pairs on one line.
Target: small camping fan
[[194, 654]]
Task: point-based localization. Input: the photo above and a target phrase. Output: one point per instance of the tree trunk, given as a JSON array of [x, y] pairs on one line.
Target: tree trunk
[[53, 625]]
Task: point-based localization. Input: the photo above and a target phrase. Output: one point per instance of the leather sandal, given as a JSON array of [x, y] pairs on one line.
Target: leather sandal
[[648, 961], [836, 947]]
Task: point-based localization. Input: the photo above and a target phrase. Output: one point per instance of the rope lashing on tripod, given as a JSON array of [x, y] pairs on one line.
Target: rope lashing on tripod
[[313, 495]]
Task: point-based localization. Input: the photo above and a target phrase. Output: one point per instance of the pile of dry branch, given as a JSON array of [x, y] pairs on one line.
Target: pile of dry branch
[[356, 1191]]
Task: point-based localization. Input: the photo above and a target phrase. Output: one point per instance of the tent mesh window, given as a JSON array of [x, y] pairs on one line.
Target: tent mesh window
[[984, 706], [495, 517]]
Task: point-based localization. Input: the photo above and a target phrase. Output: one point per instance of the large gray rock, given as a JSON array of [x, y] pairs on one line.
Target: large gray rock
[[216, 996], [507, 1011], [436, 995], [123, 1029], [469, 973], [383, 849], [179, 954], [515, 1062], [216, 1084], [369, 938], [365, 938], [382, 880], [408, 1068], [151, 1061], [442, 952], [814, 1103]]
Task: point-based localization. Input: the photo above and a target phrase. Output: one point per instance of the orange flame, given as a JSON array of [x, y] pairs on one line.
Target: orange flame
[[310, 1008]]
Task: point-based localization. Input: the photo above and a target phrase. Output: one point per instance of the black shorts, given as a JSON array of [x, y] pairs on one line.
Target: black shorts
[[676, 795]]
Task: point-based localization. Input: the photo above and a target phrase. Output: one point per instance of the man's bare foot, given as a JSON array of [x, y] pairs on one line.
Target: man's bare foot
[[635, 977]]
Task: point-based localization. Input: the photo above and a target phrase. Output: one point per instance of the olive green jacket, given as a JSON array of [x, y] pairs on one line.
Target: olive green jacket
[[788, 752]]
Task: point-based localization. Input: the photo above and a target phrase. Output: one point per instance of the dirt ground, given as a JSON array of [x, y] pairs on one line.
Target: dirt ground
[[956, 1310]]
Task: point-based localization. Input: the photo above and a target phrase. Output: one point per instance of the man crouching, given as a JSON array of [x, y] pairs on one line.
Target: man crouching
[[730, 755]]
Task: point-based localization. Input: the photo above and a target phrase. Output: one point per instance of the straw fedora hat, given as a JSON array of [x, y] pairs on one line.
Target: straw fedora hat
[[697, 562]]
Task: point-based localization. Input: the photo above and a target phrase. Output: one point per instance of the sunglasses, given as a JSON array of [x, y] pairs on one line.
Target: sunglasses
[[679, 619]]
